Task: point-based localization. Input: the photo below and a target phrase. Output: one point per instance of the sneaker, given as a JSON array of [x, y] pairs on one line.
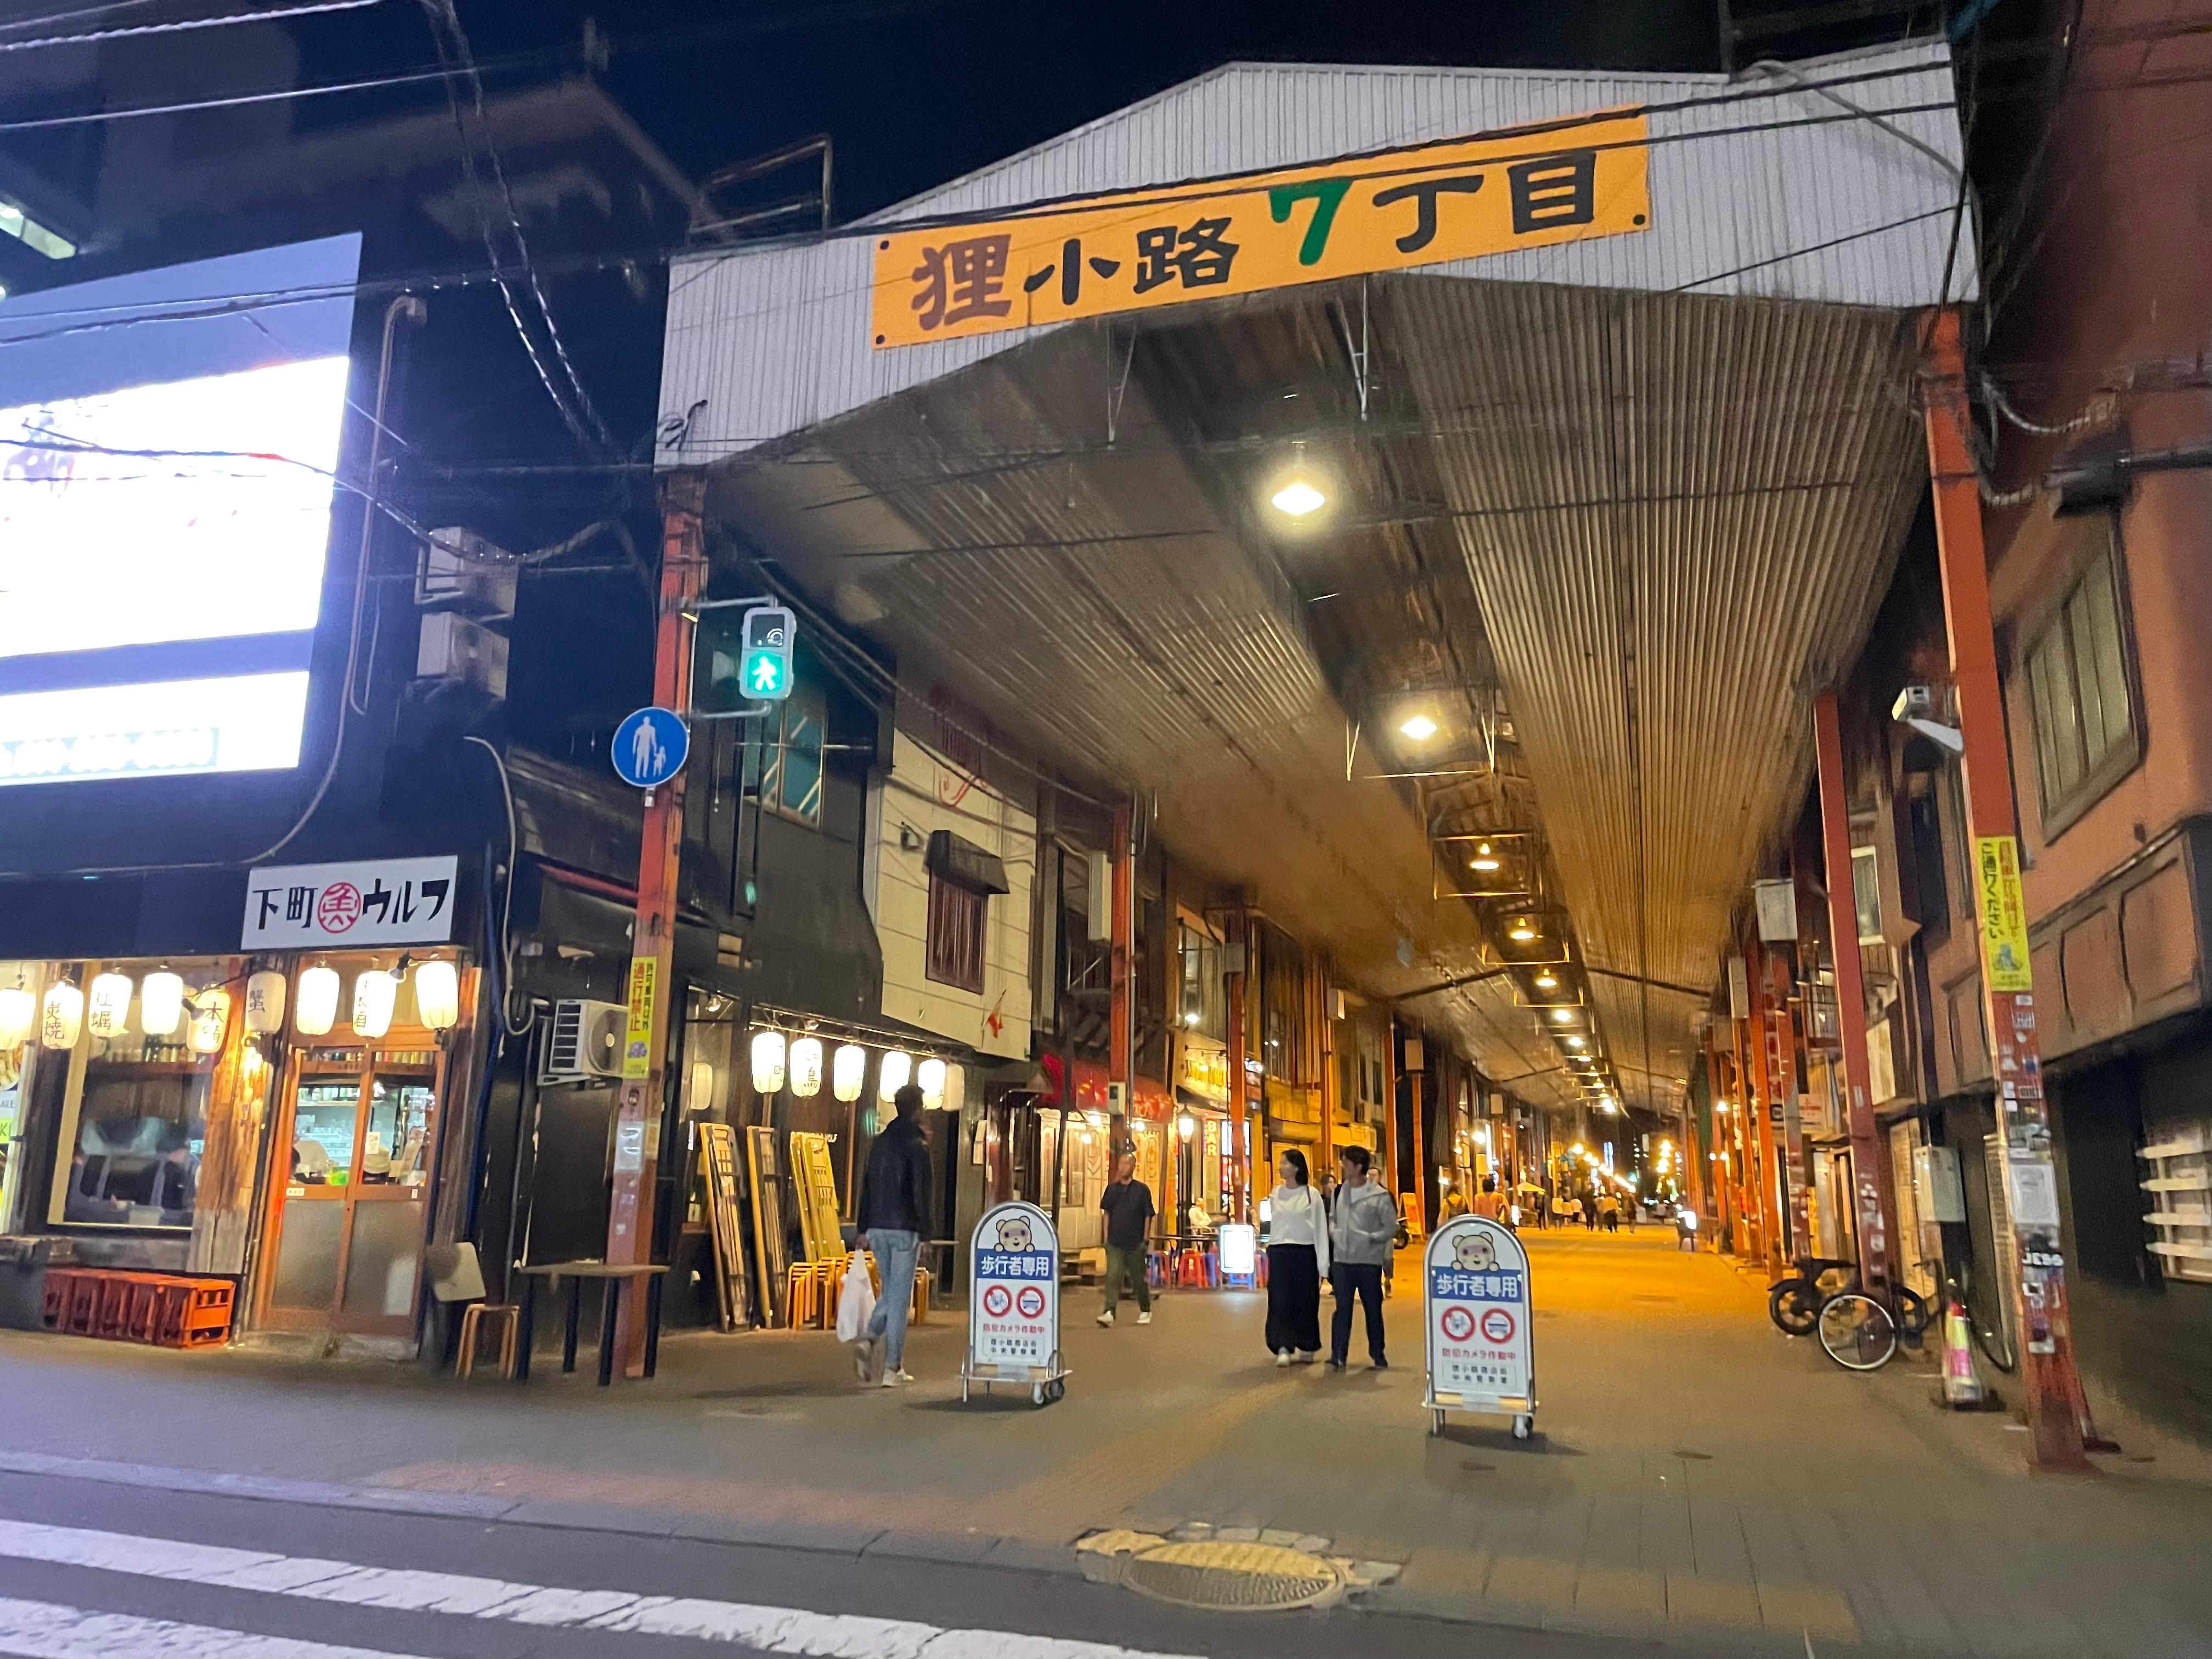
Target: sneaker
[[896, 1379], [864, 1360], [1106, 1319], [1308, 1356], [1283, 1356], [1144, 1319], [1380, 1365]]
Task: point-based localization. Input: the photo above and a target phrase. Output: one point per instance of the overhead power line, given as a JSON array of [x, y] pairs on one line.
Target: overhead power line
[[178, 26]]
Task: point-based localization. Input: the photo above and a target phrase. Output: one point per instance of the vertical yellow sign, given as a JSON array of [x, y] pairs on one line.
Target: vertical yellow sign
[[2004, 913], [637, 1044]]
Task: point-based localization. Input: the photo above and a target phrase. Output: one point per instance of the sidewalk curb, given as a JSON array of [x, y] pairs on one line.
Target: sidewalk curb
[[989, 1550]]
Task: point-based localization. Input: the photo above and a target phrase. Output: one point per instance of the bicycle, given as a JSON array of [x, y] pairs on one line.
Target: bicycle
[[1989, 1334], [1857, 1329]]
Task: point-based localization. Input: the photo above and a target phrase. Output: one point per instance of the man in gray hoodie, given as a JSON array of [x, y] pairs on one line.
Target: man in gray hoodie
[[1360, 1236]]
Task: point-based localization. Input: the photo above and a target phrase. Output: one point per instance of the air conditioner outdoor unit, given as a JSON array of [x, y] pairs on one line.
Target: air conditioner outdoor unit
[[586, 1040]]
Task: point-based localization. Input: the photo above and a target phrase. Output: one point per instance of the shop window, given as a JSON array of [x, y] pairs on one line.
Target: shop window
[[790, 773], [1205, 1002], [2085, 736], [956, 934], [134, 1114]]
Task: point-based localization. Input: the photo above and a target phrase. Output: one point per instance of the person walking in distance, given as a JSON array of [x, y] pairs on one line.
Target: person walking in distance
[[1297, 1256], [1590, 1212], [1128, 1205], [893, 1217], [1361, 1233], [1489, 1203]]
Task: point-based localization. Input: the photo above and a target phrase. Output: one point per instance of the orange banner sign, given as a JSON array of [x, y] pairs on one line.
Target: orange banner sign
[[1244, 234]]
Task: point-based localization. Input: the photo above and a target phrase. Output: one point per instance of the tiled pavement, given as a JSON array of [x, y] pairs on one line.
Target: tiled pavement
[[1696, 1478]]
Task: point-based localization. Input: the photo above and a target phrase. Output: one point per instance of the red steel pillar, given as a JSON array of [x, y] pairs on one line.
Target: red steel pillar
[[1119, 1025], [653, 943], [2058, 1411]]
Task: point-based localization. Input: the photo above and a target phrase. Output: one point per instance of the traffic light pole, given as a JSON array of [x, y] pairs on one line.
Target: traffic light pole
[[653, 941]]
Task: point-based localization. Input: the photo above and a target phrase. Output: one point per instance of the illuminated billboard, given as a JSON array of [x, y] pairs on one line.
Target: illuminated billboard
[[168, 446]]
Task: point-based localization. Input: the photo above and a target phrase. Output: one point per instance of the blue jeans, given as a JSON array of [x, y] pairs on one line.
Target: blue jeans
[[897, 1255]]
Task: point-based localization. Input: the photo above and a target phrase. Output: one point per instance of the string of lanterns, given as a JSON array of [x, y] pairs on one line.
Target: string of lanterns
[[778, 1060], [103, 1009]]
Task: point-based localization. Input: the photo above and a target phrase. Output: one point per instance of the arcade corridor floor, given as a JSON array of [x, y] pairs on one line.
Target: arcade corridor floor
[[1695, 1476]]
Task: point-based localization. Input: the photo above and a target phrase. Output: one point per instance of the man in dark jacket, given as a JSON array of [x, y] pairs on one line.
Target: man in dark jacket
[[1128, 1205], [893, 1219]]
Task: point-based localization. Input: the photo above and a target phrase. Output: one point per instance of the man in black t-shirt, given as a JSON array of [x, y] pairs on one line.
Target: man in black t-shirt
[[1127, 1206]]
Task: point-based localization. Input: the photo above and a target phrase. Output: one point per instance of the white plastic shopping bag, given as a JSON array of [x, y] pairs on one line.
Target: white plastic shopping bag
[[856, 1302]]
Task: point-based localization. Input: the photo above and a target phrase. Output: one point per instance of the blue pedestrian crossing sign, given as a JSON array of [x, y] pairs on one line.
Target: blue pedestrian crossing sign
[[649, 747]]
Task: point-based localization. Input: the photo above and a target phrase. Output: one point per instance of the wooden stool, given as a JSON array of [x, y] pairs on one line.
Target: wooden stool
[[508, 1319]]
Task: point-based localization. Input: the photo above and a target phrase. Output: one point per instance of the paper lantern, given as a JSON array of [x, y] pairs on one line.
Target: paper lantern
[[806, 1067], [19, 1012], [107, 1008], [64, 1015], [848, 1071], [767, 1062], [264, 1002], [438, 995], [211, 1019], [374, 995], [896, 1071], [930, 1075], [160, 1003], [318, 1007]]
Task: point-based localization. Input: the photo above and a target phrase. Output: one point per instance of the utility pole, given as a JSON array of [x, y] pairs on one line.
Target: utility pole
[[2059, 1426], [1234, 942], [1874, 1265], [1121, 1026], [653, 940]]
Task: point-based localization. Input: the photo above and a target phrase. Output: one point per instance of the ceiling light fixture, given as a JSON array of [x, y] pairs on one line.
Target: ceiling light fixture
[[1547, 982], [1575, 1042], [1484, 859], [1564, 1015], [1298, 498], [1419, 727], [1522, 934]]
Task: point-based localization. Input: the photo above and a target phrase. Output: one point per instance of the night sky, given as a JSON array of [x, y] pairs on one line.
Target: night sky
[[916, 92]]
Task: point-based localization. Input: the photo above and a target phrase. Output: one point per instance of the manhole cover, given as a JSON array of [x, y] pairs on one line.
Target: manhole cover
[[1233, 1577]]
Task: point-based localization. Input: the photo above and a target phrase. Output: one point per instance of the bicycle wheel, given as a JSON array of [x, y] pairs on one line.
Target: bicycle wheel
[[1794, 1305], [1858, 1332], [1989, 1337]]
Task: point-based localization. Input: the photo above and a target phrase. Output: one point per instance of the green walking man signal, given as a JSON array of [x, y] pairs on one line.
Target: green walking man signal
[[737, 673]]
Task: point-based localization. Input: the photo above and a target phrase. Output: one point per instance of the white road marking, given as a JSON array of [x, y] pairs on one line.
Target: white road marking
[[794, 1630], [38, 1629]]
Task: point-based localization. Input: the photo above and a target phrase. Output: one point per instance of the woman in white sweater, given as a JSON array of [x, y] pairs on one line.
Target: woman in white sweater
[[1297, 1261]]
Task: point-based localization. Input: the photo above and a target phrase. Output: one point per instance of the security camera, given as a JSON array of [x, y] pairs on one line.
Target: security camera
[[1913, 707]]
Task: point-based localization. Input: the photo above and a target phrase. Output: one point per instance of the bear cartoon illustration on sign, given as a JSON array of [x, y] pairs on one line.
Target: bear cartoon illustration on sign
[[1014, 1233], [1473, 1252]]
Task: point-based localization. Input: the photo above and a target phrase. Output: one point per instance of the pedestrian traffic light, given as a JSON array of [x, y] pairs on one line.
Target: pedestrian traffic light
[[735, 670]]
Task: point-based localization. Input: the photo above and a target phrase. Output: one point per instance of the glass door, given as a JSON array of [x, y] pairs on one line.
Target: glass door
[[348, 1222]]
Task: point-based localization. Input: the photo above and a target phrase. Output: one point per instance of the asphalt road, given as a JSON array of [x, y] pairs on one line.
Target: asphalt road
[[94, 1570]]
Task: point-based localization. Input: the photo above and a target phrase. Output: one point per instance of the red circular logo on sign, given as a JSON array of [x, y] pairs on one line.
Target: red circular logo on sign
[[339, 907], [1031, 1301], [998, 1301], [1497, 1325], [1459, 1323]]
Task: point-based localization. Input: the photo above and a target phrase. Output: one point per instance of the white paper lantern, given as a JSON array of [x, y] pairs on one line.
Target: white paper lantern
[[264, 1002], [107, 1008], [896, 1070], [160, 1003], [930, 1075], [62, 1016], [767, 1062], [211, 1019], [848, 1071], [374, 995], [438, 995], [806, 1067], [318, 1008], [19, 1012]]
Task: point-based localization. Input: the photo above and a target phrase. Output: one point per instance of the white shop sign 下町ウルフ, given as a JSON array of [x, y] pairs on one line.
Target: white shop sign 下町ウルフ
[[1481, 1353], [364, 905]]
